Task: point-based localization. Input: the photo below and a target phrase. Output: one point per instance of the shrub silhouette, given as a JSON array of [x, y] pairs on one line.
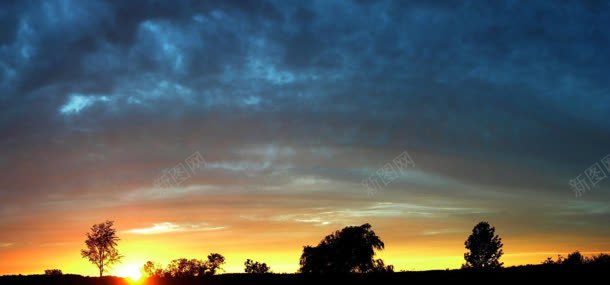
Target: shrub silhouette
[[183, 267], [484, 248], [350, 250], [575, 258], [101, 246], [53, 272], [152, 269], [256, 267], [600, 259], [549, 260], [379, 266]]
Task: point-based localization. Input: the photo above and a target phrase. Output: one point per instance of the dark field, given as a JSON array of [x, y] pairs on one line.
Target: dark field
[[513, 275]]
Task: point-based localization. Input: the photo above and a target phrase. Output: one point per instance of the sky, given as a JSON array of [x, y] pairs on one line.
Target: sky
[[296, 113]]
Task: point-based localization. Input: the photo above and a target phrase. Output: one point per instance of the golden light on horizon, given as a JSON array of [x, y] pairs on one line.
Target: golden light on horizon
[[131, 271]]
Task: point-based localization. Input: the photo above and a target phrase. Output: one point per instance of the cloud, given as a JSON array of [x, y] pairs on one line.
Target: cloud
[[324, 216], [167, 227], [77, 103]]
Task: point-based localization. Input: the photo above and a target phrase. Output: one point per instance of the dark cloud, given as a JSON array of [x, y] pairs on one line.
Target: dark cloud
[[456, 75]]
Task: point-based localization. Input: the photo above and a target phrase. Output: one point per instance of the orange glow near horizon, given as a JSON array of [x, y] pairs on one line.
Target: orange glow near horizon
[[272, 226], [419, 255]]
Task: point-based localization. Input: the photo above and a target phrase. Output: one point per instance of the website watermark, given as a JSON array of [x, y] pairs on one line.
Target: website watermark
[[591, 177], [178, 174], [388, 173]]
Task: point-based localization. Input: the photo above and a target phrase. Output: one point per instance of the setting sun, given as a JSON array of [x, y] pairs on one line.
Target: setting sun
[[131, 271]]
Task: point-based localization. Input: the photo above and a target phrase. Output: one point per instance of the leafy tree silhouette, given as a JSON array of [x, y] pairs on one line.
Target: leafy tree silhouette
[[101, 246], [575, 258], [600, 259], [485, 248], [256, 267], [152, 269], [183, 267], [379, 266], [350, 250], [214, 263]]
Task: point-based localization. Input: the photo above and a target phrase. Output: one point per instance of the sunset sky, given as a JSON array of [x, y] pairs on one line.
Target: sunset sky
[[292, 105]]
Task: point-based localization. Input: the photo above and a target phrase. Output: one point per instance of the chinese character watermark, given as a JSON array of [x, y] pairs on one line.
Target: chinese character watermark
[[591, 176], [388, 173], [176, 175]]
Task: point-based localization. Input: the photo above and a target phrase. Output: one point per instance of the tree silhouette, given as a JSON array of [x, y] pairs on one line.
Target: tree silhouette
[[600, 259], [101, 246], [350, 250], [183, 267], [485, 248], [152, 269], [53, 272], [214, 263], [379, 266], [575, 258], [256, 267]]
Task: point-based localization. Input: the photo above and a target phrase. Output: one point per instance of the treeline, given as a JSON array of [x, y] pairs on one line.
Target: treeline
[[349, 250], [575, 259], [184, 267]]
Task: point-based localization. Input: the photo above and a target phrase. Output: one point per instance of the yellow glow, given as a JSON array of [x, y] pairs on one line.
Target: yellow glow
[[281, 249], [131, 271]]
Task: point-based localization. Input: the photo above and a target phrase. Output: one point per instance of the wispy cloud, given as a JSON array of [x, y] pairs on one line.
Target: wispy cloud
[[5, 244], [326, 216], [167, 227], [447, 231]]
